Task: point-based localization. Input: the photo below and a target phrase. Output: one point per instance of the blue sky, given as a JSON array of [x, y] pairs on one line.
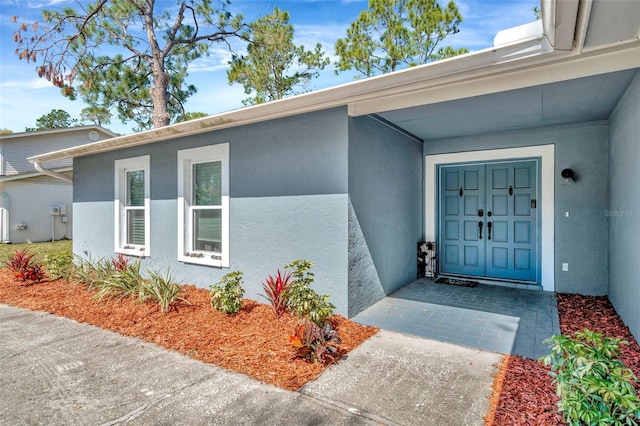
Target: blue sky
[[24, 97]]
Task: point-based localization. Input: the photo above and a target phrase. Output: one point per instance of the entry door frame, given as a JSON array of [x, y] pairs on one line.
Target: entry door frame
[[546, 204]]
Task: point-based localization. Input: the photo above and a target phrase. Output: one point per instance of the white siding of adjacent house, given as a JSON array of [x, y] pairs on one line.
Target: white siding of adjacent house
[[29, 201], [16, 150]]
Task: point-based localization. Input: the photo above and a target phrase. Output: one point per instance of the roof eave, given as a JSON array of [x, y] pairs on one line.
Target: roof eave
[[46, 132], [460, 67]]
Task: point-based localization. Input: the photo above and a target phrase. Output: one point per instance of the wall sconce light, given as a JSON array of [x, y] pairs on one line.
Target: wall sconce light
[[567, 177]]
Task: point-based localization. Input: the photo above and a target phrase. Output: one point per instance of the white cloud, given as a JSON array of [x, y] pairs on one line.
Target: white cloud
[[36, 83]]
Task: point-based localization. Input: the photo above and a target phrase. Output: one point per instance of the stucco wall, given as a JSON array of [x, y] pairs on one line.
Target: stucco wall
[[582, 239], [623, 211], [385, 210], [29, 201], [288, 200]]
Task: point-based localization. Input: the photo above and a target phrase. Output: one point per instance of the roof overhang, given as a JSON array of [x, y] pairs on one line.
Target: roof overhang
[[552, 54], [30, 175], [11, 136]]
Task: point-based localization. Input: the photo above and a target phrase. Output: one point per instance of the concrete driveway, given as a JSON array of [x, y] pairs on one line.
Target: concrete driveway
[[56, 371]]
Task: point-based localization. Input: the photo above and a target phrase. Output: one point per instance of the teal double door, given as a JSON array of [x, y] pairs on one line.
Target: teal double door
[[488, 220]]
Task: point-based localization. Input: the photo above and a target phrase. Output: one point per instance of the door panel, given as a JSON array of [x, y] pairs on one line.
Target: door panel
[[502, 241], [511, 252], [461, 198]]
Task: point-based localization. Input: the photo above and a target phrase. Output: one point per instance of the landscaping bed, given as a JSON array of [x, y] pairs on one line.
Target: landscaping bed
[[524, 393], [253, 341], [257, 343]]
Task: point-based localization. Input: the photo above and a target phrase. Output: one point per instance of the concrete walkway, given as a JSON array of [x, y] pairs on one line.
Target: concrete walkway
[[56, 371]]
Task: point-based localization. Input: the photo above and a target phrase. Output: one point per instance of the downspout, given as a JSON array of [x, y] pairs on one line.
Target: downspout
[[51, 173], [5, 218]]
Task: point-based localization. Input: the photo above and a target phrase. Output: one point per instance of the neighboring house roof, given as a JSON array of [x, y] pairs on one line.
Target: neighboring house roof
[[574, 40], [32, 174], [48, 132], [15, 148]]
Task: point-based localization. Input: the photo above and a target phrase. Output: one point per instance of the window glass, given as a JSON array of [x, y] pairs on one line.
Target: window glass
[[207, 184], [207, 230], [135, 188], [135, 227]]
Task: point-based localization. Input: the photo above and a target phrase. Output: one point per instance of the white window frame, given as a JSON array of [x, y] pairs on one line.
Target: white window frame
[[186, 159], [121, 169]]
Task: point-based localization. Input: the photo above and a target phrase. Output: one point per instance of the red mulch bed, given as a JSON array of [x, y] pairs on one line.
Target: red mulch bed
[[523, 392], [252, 342], [256, 343]]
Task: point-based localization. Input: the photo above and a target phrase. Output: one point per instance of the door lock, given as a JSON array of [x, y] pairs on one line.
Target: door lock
[[480, 213]]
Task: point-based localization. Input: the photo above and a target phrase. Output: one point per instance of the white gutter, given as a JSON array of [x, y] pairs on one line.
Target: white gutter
[[559, 22], [347, 94], [549, 47], [51, 173]]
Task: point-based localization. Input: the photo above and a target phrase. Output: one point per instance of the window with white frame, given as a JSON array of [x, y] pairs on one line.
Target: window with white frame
[[132, 214], [203, 205]]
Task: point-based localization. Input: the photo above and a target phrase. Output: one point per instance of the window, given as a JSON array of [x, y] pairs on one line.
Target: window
[[203, 205], [132, 206]]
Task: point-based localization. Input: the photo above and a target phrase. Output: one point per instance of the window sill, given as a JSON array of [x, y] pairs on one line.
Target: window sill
[[136, 251], [205, 260]]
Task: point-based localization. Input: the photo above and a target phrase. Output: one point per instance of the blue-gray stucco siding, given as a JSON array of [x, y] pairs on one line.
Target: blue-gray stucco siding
[[288, 200], [385, 210], [623, 211], [289, 186]]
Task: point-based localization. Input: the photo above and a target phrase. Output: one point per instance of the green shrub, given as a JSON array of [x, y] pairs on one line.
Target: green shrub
[[161, 289], [226, 295], [59, 265], [302, 299], [594, 387], [314, 343]]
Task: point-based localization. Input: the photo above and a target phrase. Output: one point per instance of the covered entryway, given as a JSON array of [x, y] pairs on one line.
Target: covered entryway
[[488, 220], [489, 317]]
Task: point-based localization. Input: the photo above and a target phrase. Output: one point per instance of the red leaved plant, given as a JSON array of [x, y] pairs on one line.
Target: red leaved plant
[[21, 264], [314, 343], [275, 289], [120, 263]]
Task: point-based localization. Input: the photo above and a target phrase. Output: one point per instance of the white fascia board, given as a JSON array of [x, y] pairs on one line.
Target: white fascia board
[[488, 71], [32, 174], [460, 67], [555, 67]]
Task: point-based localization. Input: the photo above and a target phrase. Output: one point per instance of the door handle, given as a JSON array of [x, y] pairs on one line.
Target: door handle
[[489, 225], [480, 229], [460, 192]]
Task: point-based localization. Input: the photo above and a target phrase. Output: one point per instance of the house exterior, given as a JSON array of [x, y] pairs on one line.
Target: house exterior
[[35, 206], [519, 161]]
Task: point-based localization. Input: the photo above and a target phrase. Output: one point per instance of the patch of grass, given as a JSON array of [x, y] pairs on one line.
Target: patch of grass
[[40, 250]]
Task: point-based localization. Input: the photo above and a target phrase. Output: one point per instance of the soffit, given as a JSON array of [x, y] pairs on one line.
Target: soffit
[[579, 100]]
